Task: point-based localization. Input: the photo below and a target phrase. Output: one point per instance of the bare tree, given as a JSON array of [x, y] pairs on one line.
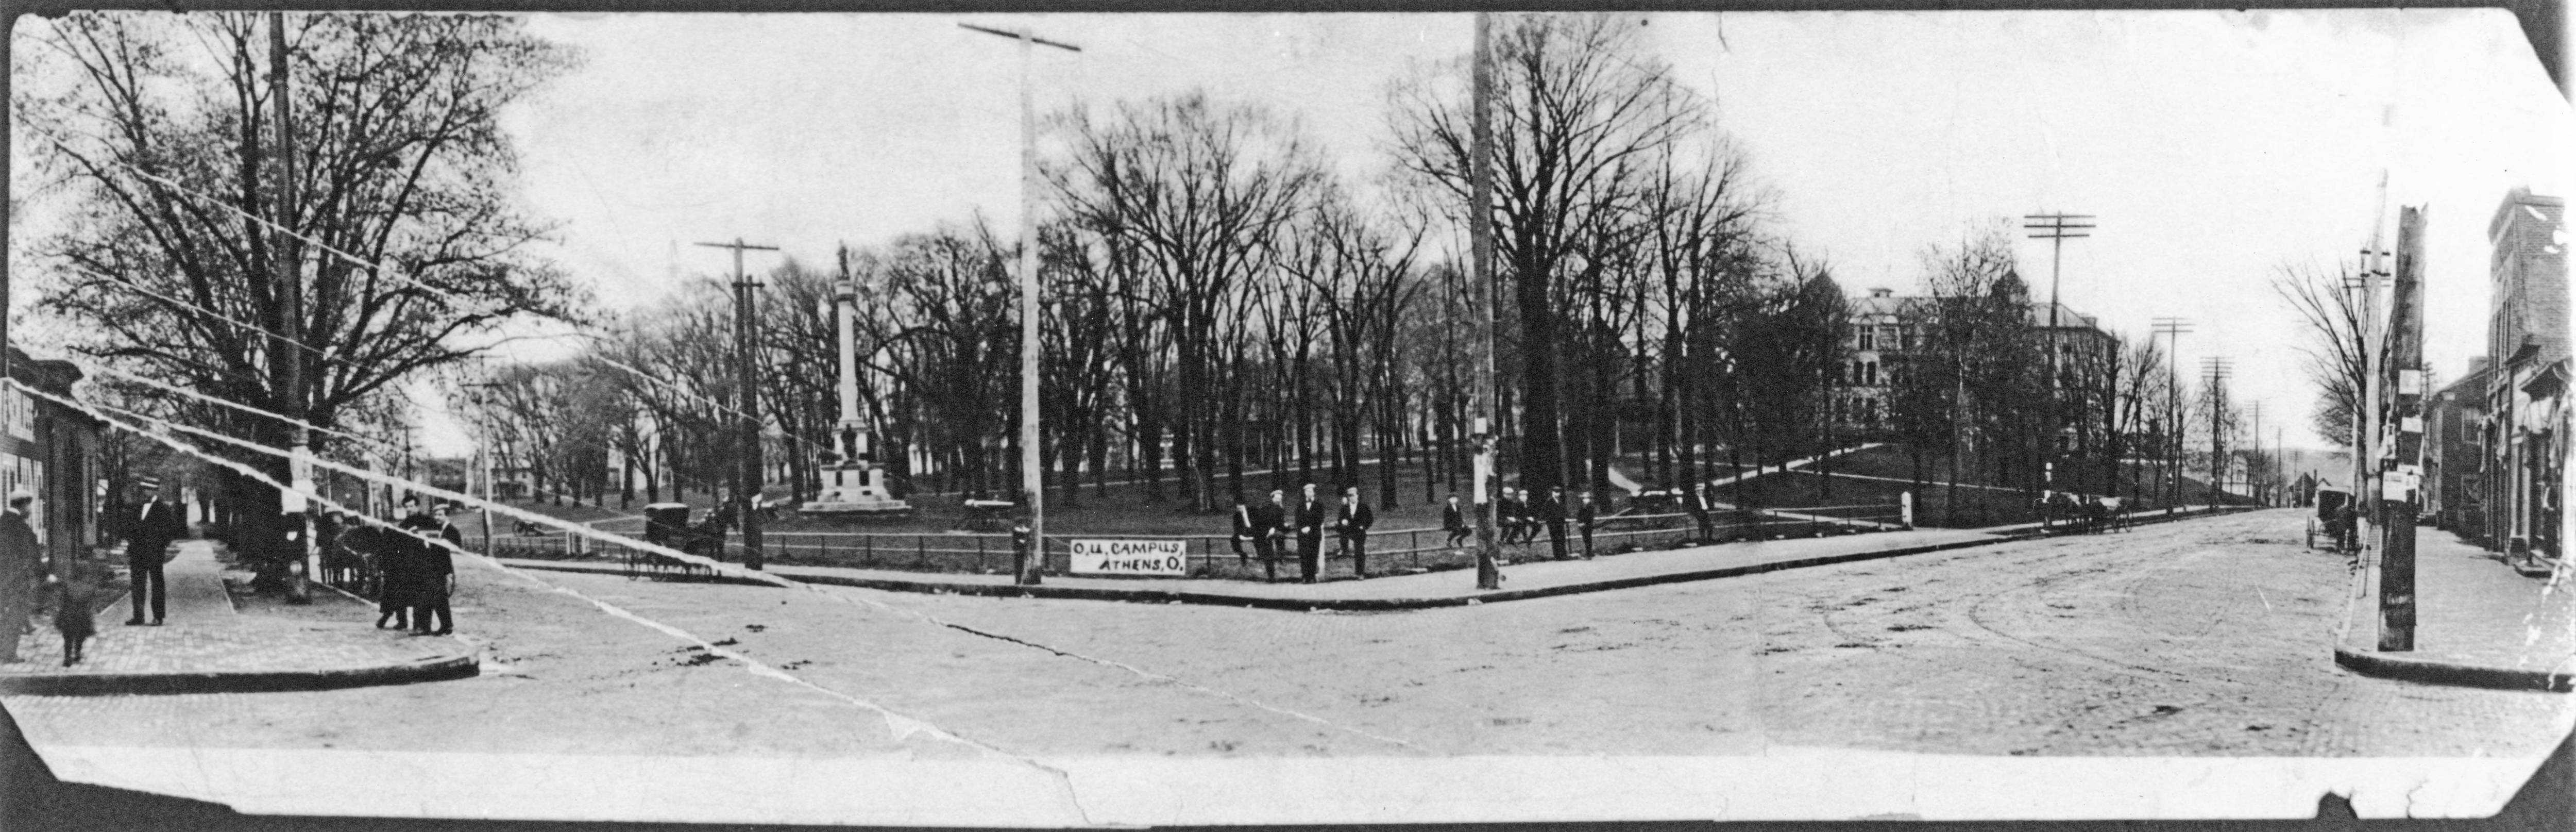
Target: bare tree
[[1580, 111], [155, 131], [2330, 327], [1196, 190]]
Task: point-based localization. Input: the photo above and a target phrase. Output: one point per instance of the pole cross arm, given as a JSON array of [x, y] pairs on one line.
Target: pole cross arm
[[1020, 36]]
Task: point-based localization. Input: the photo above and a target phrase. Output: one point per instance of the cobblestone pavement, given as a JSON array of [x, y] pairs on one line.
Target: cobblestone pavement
[[202, 633], [2207, 637]]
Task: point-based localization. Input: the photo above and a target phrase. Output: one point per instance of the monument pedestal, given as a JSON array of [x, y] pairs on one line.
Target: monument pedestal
[[855, 490]]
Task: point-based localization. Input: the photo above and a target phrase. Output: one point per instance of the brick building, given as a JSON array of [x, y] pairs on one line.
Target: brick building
[[2454, 455], [1886, 329], [2526, 420], [51, 451]]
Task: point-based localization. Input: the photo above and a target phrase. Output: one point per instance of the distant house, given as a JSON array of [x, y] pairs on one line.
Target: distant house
[[2454, 462]]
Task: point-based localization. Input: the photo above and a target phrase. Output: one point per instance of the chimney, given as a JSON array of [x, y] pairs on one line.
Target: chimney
[[1882, 293]]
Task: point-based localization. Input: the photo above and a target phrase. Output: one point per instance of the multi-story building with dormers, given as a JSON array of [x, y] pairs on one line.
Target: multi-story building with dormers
[[1886, 332]]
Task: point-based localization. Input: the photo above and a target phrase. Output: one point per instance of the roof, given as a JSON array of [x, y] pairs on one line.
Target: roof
[[2549, 381], [2067, 317], [2471, 388], [2518, 197], [51, 376], [1876, 304]]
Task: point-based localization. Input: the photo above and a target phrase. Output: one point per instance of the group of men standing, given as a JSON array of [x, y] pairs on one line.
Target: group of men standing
[[415, 567], [1518, 519], [1265, 526]]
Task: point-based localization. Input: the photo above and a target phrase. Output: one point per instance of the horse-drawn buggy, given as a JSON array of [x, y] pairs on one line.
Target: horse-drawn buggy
[[2336, 520], [667, 525]]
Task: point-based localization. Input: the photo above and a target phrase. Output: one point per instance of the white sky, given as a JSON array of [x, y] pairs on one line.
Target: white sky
[[2213, 146]]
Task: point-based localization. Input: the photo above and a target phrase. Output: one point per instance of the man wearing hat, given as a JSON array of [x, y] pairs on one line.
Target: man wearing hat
[[149, 531], [433, 570], [21, 563]]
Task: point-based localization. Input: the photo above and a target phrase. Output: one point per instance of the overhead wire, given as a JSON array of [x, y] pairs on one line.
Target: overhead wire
[[375, 268], [713, 565]]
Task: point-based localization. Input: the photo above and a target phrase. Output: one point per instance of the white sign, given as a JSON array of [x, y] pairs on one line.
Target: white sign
[[1130, 557]]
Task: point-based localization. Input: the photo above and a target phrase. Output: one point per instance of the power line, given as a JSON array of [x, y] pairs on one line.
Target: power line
[[487, 307], [2056, 229]]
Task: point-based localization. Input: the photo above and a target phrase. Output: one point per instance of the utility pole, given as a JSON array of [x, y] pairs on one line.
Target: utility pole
[[2399, 490], [2365, 433], [483, 461], [288, 355], [1032, 468], [2251, 473], [2172, 329], [747, 370], [2056, 229], [2215, 370], [1480, 228]]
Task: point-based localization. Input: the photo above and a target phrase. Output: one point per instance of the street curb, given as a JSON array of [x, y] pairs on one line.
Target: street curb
[[2376, 664], [2433, 672], [1368, 604], [460, 666], [1159, 596], [569, 567]]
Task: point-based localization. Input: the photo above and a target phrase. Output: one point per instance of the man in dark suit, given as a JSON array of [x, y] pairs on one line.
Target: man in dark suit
[[1268, 522], [1507, 516], [1584, 514], [1454, 521], [1551, 510], [149, 531], [1242, 528], [434, 574], [1699, 508], [1310, 534], [1353, 524], [22, 567]]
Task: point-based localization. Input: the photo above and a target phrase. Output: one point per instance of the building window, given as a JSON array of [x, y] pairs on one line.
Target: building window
[[1869, 373], [1868, 338]]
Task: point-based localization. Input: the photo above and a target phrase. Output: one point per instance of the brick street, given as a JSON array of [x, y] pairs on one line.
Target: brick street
[[2204, 637]]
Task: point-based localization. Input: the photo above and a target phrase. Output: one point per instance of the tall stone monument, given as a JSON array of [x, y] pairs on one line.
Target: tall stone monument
[[853, 485]]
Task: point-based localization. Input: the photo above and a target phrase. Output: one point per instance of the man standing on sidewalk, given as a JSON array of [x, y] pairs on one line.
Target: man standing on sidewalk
[[21, 562], [1310, 534], [1454, 521], [148, 535], [436, 569], [1584, 516], [1268, 522], [1700, 508], [1552, 511], [1242, 528], [1353, 524]]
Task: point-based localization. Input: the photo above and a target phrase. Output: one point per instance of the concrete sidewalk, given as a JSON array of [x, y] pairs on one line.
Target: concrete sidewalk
[[205, 646], [1446, 588], [2477, 623]]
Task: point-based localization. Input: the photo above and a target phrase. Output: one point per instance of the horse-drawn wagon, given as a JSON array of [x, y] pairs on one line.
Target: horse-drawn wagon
[[667, 525], [2334, 520]]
